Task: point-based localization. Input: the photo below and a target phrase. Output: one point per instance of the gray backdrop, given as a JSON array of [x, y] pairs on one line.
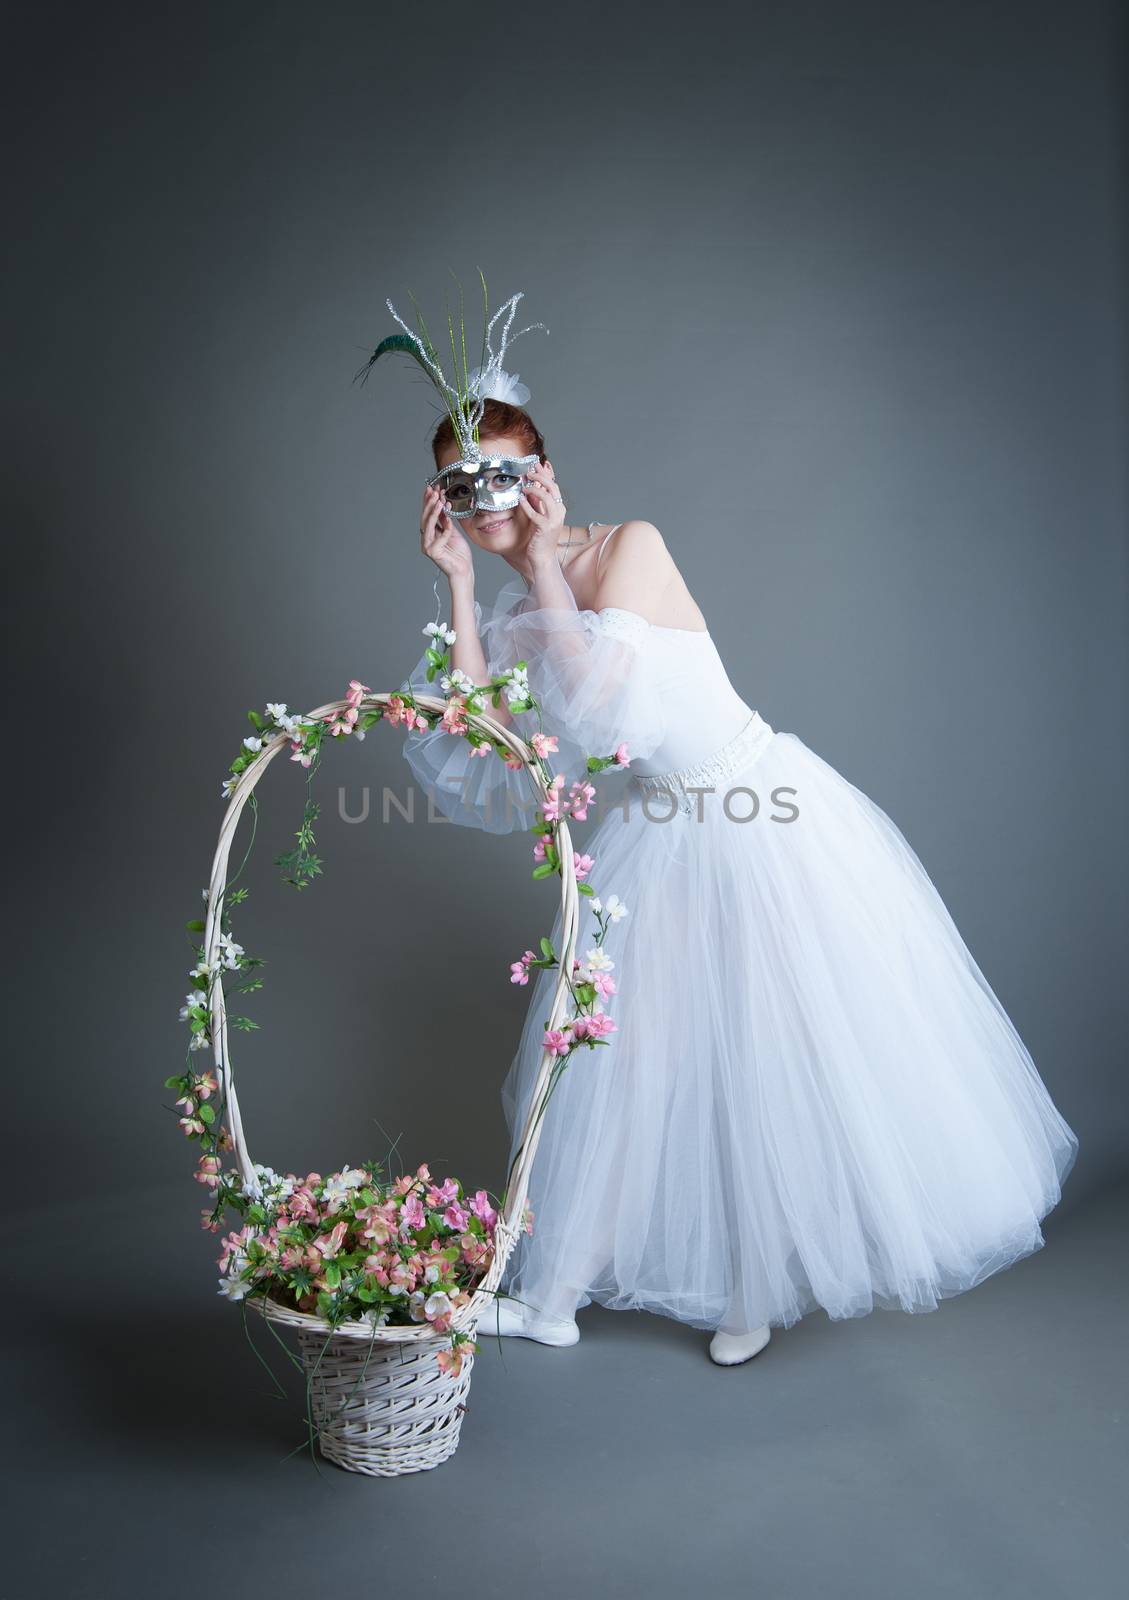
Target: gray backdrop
[[836, 298]]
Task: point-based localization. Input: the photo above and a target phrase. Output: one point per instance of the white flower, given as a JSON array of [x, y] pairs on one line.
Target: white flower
[[276, 710], [597, 960], [440, 630], [374, 1317], [203, 970], [596, 903], [336, 1188], [229, 785], [253, 742], [204, 892], [196, 998], [231, 950], [457, 682], [498, 385], [437, 1305], [292, 725], [431, 1275], [252, 1188], [415, 1306], [234, 1288], [200, 1040], [615, 908], [475, 702]]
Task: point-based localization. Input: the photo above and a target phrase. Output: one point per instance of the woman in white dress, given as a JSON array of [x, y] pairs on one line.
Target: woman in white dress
[[811, 1097]]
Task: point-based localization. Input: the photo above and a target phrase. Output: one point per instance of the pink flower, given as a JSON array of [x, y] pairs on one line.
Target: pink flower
[[455, 1217], [413, 1215], [301, 754], [423, 1172], [232, 1245], [450, 1361], [539, 851], [203, 1085], [527, 1218], [209, 1171], [581, 796], [330, 1243], [622, 756], [356, 690], [557, 1041], [514, 762], [520, 969], [482, 1208], [602, 1023], [544, 743], [475, 1252], [551, 806], [209, 1222], [480, 749], [604, 984], [453, 719], [397, 711], [582, 865], [447, 1192], [192, 1126]]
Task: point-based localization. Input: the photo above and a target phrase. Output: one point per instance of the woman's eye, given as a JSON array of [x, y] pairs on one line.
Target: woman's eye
[[503, 480]]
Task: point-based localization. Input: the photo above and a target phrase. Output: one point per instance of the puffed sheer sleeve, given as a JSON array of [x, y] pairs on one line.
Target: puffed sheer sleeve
[[477, 791], [586, 671]]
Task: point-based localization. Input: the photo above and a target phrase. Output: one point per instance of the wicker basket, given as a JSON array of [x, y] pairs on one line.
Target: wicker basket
[[379, 1400]]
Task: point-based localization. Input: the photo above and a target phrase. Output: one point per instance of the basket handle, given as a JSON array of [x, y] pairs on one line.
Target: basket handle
[[509, 1220]]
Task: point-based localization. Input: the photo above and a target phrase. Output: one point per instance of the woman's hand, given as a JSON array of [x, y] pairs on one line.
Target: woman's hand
[[443, 541], [544, 508]]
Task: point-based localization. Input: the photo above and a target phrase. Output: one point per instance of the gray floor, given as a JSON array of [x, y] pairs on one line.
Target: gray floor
[[975, 1451]]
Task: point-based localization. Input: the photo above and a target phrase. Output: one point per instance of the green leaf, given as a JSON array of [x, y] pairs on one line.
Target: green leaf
[[194, 927], [585, 888], [206, 1113], [544, 870], [546, 948]]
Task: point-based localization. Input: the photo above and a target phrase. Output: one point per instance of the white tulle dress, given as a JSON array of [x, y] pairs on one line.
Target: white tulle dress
[[812, 1097]]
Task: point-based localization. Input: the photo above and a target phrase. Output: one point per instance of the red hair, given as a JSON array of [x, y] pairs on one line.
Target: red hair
[[499, 419]]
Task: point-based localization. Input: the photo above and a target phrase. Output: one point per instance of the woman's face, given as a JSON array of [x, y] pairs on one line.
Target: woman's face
[[492, 530]]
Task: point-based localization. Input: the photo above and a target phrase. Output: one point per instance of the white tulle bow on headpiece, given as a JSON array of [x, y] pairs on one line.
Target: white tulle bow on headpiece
[[464, 395]]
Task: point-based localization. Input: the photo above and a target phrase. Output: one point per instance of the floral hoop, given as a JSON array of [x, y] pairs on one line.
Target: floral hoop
[[386, 1398]]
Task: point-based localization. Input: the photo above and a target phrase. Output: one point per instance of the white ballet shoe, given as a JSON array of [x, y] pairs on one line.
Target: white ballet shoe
[[509, 1317], [730, 1349]]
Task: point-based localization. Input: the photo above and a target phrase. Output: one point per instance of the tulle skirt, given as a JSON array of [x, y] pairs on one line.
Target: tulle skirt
[[812, 1097]]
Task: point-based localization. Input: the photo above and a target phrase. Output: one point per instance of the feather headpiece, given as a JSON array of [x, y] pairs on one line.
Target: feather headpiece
[[464, 395]]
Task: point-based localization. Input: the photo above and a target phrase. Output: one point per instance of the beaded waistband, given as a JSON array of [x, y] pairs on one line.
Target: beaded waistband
[[743, 748]]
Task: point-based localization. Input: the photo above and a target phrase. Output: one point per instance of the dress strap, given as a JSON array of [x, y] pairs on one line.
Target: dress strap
[[607, 539]]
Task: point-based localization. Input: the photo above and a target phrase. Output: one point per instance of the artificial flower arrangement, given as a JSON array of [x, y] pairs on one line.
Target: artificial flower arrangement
[[353, 1246]]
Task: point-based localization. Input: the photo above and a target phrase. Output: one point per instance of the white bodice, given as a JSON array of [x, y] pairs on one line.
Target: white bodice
[[703, 711]]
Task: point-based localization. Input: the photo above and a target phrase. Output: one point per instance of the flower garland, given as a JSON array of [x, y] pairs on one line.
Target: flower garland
[[349, 1246]]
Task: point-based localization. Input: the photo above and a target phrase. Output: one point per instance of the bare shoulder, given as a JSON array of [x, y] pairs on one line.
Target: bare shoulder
[[640, 574], [642, 539], [637, 566]]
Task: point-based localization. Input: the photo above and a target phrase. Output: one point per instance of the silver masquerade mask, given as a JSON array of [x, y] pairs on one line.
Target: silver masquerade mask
[[483, 483]]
